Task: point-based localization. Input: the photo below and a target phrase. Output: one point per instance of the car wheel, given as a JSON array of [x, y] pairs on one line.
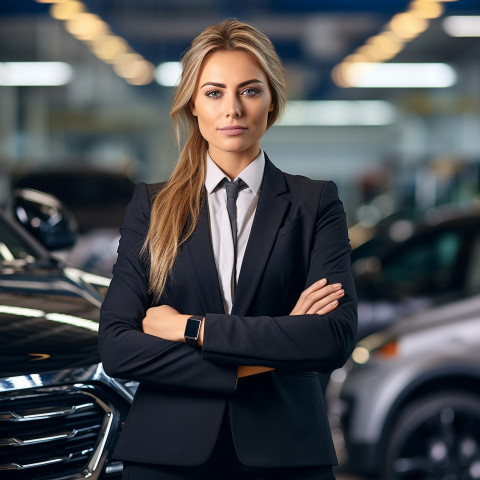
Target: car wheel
[[436, 438]]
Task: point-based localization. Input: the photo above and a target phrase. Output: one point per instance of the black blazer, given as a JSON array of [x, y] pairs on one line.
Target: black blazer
[[278, 418]]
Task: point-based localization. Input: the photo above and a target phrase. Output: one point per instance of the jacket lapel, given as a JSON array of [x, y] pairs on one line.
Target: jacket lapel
[[270, 212], [200, 253]]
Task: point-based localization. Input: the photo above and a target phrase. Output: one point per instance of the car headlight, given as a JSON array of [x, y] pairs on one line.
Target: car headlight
[[388, 351]]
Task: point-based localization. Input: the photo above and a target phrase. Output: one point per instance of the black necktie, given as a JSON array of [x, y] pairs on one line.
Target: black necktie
[[232, 188]]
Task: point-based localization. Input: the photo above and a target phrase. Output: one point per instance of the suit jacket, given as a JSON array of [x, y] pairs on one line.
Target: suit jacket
[[278, 418]]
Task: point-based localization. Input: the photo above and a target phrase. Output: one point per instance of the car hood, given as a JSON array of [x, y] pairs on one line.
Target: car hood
[[48, 319], [426, 320]]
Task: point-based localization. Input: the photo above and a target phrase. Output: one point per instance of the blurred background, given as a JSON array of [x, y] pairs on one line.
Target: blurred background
[[392, 139], [384, 99]]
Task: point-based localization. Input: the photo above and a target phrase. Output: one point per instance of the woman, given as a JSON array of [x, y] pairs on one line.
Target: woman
[[226, 319]]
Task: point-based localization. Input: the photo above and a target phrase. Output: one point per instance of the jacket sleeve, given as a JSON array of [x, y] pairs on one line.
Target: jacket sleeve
[[126, 351], [311, 342]]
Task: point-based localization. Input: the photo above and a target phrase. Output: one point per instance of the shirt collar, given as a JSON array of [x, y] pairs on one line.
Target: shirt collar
[[251, 175]]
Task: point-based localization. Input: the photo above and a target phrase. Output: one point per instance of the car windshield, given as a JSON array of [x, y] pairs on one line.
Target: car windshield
[[12, 246]]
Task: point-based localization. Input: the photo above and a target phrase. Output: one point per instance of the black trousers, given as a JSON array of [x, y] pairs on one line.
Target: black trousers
[[223, 465]]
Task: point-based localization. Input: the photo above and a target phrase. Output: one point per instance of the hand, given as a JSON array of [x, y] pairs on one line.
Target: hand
[[165, 322], [318, 298]]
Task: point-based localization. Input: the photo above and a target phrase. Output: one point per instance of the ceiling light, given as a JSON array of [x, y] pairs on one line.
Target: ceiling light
[[86, 26], [339, 74], [462, 26], [400, 75], [338, 113], [427, 8], [140, 72], [168, 74], [144, 75], [408, 25], [35, 73], [96, 34], [109, 47], [135, 69], [123, 62], [66, 10], [387, 42], [382, 47], [357, 56]]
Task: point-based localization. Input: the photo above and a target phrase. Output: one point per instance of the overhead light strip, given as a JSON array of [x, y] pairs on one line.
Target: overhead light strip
[[462, 25], [29, 74], [168, 74], [401, 75], [338, 113], [386, 45], [112, 49]]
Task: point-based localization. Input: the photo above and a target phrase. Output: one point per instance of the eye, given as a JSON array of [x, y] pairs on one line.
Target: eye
[[213, 93], [251, 92]]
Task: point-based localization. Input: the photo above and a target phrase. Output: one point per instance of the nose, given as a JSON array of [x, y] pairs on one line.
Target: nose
[[234, 108]]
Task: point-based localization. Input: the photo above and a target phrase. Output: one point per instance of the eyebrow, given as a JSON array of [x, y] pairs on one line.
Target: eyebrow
[[222, 85]]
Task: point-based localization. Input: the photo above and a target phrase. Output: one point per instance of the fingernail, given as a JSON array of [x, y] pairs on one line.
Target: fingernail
[[322, 281]]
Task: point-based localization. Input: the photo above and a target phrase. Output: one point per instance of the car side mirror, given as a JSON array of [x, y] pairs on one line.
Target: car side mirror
[[44, 217]]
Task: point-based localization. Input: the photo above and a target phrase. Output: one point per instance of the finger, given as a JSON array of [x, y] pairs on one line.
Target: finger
[[324, 295], [297, 310], [317, 291], [323, 302], [328, 308], [324, 292], [313, 288], [313, 294]]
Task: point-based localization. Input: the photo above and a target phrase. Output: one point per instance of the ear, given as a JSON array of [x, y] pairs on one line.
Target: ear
[[270, 108], [191, 105]]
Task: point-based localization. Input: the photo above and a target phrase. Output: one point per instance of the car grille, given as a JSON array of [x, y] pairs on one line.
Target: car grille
[[54, 433]]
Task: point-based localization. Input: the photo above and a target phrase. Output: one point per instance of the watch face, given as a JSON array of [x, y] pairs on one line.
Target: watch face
[[193, 328]]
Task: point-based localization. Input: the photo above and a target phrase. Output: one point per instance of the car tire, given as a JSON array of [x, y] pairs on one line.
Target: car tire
[[437, 437]]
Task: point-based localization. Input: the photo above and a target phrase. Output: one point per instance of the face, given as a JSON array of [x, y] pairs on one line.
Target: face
[[232, 100]]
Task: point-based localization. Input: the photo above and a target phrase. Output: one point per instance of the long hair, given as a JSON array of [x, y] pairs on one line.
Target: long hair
[[176, 208]]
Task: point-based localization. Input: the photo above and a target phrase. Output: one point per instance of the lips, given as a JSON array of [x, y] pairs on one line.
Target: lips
[[233, 130]]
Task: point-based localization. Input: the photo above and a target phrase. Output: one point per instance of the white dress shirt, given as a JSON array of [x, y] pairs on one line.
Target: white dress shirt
[[220, 230]]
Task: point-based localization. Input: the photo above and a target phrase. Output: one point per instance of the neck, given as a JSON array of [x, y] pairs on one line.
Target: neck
[[233, 163]]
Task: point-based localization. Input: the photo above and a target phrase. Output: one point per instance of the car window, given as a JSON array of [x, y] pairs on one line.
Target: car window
[[82, 189], [424, 266], [12, 246]]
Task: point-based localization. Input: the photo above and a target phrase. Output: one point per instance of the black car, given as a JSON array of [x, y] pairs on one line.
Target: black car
[[96, 198], [413, 265], [60, 414]]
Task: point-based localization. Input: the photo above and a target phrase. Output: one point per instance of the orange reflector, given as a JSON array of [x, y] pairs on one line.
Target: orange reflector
[[389, 350]]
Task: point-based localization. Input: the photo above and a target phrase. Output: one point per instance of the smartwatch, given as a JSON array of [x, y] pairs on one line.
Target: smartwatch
[[192, 330]]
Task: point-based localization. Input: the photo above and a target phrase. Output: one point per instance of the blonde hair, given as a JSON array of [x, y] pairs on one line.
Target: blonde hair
[[176, 208]]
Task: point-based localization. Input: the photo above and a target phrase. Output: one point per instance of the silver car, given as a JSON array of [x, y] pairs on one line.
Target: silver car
[[408, 400]]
